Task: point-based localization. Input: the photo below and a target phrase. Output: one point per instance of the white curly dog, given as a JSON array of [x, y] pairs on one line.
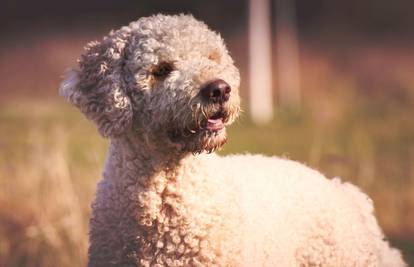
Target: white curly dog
[[163, 89]]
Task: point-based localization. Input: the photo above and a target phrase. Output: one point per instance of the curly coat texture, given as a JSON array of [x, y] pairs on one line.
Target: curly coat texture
[[162, 201]]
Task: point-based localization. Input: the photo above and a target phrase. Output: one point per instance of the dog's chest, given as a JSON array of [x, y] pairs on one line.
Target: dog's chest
[[186, 219]]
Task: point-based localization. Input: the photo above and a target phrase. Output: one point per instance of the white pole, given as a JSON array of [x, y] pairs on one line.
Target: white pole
[[261, 104], [287, 54]]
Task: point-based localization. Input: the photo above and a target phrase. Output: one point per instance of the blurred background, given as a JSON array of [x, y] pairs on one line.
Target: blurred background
[[327, 83]]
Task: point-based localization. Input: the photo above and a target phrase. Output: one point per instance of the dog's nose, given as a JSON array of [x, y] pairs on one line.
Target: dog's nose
[[216, 91]]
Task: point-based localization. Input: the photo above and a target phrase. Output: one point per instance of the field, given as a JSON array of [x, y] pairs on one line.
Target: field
[[358, 126]]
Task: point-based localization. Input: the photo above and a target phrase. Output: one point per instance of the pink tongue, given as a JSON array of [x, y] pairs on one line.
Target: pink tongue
[[214, 125]]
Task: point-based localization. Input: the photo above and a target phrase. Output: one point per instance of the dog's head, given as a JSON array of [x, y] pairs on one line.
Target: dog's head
[[165, 77]]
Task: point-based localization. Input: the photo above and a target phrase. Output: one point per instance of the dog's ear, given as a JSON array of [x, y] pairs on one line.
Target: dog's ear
[[98, 88]]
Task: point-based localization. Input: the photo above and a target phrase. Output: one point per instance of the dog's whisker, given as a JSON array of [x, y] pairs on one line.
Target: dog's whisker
[[204, 113]]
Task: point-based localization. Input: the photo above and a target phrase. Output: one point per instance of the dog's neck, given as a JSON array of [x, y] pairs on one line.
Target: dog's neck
[[135, 154], [147, 174]]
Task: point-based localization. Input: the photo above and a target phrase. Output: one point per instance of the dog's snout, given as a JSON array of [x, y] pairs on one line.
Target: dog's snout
[[216, 91]]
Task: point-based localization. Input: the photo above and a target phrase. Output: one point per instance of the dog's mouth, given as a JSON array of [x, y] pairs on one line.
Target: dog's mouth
[[216, 122], [207, 134], [204, 129]]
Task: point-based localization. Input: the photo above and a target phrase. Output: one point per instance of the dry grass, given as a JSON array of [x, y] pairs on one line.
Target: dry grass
[[43, 204]]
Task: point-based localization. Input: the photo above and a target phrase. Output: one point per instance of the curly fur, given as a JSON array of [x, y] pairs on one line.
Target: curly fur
[[163, 202]]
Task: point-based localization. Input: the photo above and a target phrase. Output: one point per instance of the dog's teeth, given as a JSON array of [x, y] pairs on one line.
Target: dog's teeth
[[192, 131]]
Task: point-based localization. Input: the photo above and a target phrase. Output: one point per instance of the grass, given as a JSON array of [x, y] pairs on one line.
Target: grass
[[51, 158]]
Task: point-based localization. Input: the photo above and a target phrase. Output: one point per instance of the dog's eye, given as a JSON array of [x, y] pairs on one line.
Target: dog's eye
[[162, 70]]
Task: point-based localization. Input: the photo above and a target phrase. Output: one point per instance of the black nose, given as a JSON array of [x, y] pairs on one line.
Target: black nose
[[216, 91]]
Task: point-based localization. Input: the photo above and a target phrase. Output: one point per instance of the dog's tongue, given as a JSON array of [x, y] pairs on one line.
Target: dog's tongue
[[215, 124]]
